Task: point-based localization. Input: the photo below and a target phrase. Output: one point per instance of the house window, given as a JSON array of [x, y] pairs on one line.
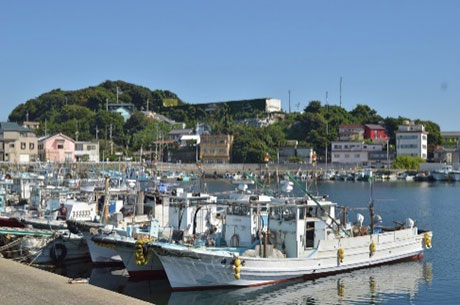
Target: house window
[[7, 157], [11, 145], [60, 146], [79, 147], [40, 146], [336, 156], [347, 156], [23, 145], [31, 146], [357, 155]]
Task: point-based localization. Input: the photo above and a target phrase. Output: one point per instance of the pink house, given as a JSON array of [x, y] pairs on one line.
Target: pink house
[[56, 148]]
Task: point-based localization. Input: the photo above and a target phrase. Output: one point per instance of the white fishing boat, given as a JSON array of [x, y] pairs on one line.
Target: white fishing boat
[[302, 239], [189, 214], [442, 174], [138, 261], [455, 175]]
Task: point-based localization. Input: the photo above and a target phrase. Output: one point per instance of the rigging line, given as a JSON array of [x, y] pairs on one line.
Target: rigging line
[[302, 188]]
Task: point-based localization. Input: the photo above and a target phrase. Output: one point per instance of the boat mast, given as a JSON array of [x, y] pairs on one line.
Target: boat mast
[[327, 125], [371, 207]]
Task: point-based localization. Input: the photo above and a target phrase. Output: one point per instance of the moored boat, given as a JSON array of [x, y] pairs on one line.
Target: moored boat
[[301, 239], [442, 174]]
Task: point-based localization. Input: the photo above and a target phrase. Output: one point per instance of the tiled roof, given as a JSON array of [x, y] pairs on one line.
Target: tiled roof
[[181, 131], [41, 139], [374, 126], [13, 126], [350, 126]]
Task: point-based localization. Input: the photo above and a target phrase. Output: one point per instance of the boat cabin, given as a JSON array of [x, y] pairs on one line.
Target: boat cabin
[[193, 213]]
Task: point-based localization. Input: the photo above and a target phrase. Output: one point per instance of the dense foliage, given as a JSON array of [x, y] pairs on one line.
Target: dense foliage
[[407, 162], [83, 113]]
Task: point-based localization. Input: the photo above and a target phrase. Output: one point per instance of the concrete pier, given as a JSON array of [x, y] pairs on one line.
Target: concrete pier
[[24, 285]]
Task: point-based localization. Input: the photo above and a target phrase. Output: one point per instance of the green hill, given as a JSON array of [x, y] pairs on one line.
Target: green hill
[[94, 99]]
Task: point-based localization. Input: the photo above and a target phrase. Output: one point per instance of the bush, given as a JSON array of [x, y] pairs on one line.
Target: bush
[[407, 162]]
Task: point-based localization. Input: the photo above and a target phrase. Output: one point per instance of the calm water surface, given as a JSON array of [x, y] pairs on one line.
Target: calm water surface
[[435, 280]]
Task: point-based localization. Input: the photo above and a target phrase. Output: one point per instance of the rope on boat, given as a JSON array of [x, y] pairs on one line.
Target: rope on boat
[[303, 189]]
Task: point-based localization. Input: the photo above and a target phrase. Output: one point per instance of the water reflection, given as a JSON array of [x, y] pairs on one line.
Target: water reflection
[[380, 284], [397, 283]]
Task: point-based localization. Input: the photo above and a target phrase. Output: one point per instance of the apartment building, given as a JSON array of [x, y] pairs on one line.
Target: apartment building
[[412, 140], [216, 148]]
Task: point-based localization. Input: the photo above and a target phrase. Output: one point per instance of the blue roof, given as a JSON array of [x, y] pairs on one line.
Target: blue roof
[[13, 126]]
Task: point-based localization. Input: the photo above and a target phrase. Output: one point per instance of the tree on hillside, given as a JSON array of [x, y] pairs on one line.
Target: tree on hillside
[[363, 114]]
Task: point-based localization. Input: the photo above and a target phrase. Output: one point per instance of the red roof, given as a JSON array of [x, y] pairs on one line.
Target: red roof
[[350, 126]]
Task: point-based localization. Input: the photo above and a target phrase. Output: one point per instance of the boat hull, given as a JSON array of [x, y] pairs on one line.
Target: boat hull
[[194, 269], [440, 176], [101, 254], [75, 249], [153, 269]]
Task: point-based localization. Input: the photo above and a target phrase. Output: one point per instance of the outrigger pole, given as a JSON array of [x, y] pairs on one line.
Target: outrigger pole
[[266, 190], [303, 189]]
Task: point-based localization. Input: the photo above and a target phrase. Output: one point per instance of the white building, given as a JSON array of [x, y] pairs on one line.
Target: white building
[[352, 152], [86, 151], [412, 140]]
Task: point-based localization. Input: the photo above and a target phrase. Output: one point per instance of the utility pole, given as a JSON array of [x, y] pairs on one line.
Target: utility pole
[[45, 128], [76, 133], [97, 134], [66, 100], [111, 142], [118, 94], [340, 91], [147, 105], [289, 94], [388, 153], [107, 104], [27, 116]]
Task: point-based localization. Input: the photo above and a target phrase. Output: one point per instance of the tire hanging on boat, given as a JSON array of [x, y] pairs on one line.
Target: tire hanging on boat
[[54, 252]]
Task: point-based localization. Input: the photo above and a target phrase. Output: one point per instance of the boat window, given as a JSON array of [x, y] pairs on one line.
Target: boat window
[[309, 234]]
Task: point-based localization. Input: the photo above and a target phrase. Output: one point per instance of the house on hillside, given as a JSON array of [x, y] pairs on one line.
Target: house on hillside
[[216, 149], [125, 110], [56, 148], [151, 115], [86, 151], [176, 134], [351, 132], [375, 132]]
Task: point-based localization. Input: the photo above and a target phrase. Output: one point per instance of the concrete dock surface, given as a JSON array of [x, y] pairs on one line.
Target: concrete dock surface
[[24, 285]]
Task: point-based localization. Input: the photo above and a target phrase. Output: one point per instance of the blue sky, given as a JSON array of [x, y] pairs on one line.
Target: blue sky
[[399, 57]]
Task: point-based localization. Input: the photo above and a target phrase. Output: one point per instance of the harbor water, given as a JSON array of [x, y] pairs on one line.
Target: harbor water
[[435, 280]]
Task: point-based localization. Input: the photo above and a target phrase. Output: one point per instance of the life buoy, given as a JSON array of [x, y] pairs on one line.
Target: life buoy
[[58, 252]]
